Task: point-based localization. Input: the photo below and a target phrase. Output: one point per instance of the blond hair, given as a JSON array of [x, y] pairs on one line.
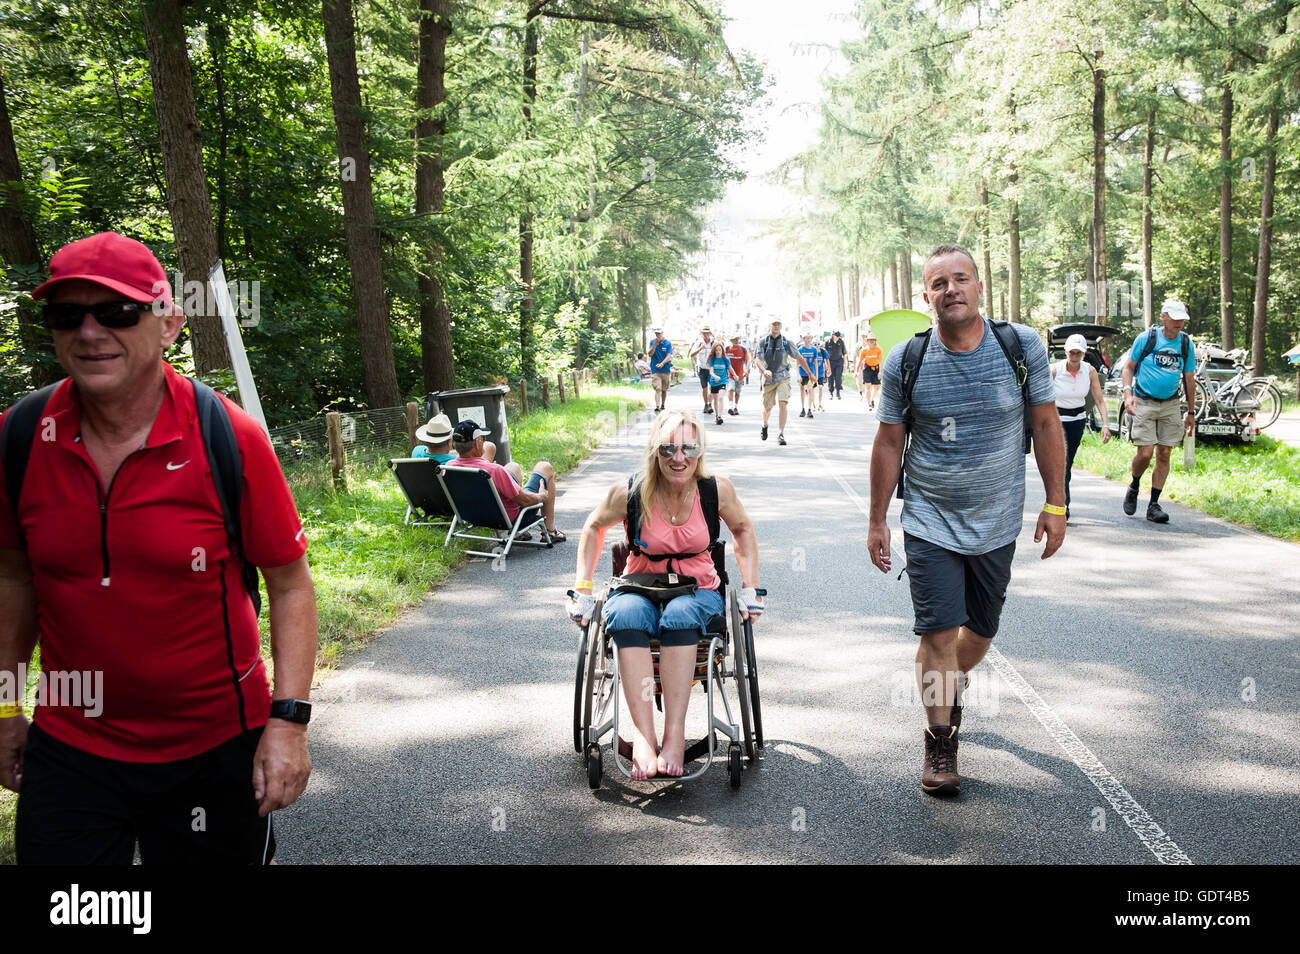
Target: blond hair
[[649, 481]]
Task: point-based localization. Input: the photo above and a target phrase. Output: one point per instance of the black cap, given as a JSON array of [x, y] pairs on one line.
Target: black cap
[[466, 431]]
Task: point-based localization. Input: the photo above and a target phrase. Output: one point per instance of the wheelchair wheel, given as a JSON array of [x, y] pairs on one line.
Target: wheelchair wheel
[[751, 671], [740, 666], [594, 767], [735, 764], [580, 682], [597, 687]]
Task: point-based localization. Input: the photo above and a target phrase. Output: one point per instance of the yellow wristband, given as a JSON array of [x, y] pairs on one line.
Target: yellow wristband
[[10, 710], [1054, 510], [579, 584]]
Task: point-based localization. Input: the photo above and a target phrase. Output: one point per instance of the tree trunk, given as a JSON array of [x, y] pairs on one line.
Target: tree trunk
[[893, 280], [1099, 190], [988, 257], [1258, 354], [1148, 286], [1225, 222], [905, 265], [1012, 309], [377, 366], [884, 284], [18, 250], [218, 36], [187, 186], [839, 296], [855, 298], [436, 360], [527, 359]]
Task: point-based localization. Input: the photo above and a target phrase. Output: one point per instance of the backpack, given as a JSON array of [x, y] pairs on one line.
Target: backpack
[[1153, 340], [770, 350], [19, 433], [707, 487], [914, 352]]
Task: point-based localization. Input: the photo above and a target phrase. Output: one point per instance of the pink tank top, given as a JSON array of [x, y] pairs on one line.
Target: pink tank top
[[660, 536]]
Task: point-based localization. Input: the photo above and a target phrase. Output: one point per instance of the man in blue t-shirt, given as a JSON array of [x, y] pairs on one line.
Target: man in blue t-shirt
[[661, 367], [808, 351], [1160, 360], [964, 488]]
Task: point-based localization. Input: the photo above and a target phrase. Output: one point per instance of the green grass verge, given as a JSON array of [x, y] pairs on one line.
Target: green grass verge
[[368, 567], [1256, 485]]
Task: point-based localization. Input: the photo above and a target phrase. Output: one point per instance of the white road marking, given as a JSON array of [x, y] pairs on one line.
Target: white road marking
[[1151, 835]]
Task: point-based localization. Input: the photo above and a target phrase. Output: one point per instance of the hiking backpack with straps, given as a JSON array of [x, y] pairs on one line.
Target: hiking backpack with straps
[[1153, 339], [706, 487], [24, 418], [914, 351]]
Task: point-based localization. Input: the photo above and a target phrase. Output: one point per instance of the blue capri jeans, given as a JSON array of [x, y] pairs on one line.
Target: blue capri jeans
[[631, 619]]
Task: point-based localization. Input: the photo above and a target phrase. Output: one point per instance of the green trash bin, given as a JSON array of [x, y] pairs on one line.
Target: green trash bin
[[485, 405]]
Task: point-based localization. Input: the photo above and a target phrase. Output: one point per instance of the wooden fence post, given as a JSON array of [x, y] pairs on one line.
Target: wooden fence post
[[546, 393], [523, 397], [412, 422], [559, 377], [577, 389], [334, 435]]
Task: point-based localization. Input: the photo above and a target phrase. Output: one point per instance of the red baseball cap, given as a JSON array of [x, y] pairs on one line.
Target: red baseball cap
[[111, 260]]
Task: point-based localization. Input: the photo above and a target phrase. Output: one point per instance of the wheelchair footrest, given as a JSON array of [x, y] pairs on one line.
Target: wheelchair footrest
[[694, 751]]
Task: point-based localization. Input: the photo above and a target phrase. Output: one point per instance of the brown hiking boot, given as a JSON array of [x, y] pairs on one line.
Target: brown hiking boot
[[939, 771]]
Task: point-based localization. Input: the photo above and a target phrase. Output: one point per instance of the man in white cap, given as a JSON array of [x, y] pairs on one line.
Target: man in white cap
[[436, 438], [661, 367], [699, 354], [1160, 360]]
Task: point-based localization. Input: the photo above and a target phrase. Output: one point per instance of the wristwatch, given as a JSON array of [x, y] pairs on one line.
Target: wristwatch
[[291, 710]]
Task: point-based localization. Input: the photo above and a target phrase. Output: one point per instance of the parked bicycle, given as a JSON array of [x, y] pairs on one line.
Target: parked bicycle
[[1241, 398]]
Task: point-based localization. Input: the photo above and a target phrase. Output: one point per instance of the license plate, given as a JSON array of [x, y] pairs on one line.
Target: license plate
[[1217, 429]]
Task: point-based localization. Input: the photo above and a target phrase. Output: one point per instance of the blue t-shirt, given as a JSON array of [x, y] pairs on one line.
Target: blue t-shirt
[[423, 451], [1159, 376], [822, 358], [809, 353], [661, 357], [965, 483], [718, 367]]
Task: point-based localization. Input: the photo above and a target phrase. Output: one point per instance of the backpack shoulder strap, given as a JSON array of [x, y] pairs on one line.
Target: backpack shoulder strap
[[1009, 341], [707, 488], [227, 474], [1150, 344], [632, 524], [1186, 341], [913, 354], [16, 438]]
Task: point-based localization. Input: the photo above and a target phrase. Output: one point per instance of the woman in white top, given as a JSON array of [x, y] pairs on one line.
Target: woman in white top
[[1074, 378]]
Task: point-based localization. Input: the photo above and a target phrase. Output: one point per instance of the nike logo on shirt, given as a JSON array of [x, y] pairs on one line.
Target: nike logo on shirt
[[171, 466]]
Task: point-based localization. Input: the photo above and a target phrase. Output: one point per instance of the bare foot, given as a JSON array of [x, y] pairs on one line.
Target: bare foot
[[644, 762], [672, 756]]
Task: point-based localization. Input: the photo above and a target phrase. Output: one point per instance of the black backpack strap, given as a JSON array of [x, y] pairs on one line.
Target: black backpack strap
[[913, 354], [632, 524], [16, 439], [707, 488], [227, 474], [1150, 344], [1015, 353]]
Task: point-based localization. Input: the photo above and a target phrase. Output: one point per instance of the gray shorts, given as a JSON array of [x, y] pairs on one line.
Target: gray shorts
[[956, 589]]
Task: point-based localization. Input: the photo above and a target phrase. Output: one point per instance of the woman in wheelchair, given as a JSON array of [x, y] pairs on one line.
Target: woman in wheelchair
[[672, 537]]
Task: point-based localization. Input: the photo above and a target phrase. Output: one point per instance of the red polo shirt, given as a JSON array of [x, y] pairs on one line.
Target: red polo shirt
[[137, 581]]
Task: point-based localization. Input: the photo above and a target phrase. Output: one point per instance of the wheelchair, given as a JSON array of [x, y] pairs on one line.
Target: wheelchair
[[725, 654]]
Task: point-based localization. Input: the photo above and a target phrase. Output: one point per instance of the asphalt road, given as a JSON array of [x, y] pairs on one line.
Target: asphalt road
[[1140, 705]]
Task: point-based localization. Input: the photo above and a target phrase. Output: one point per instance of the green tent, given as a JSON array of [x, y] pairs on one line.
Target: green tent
[[891, 327]]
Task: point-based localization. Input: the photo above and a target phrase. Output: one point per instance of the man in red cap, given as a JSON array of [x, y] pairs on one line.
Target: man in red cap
[[154, 721]]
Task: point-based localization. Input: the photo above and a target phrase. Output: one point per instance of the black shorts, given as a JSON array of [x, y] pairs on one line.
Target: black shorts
[[704, 376], [78, 809], [715, 388], [956, 589], [870, 375]]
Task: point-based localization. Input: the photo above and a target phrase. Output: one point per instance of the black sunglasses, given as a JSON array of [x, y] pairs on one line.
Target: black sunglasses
[[66, 316], [668, 451]]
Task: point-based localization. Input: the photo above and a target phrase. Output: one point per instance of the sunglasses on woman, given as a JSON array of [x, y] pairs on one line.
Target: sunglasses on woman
[[669, 451], [66, 316]]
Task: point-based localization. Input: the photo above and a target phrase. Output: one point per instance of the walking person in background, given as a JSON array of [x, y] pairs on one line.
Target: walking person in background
[[719, 373], [807, 376], [699, 355], [771, 357], [1160, 360], [738, 354], [1075, 379], [868, 369], [661, 367], [837, 351]]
